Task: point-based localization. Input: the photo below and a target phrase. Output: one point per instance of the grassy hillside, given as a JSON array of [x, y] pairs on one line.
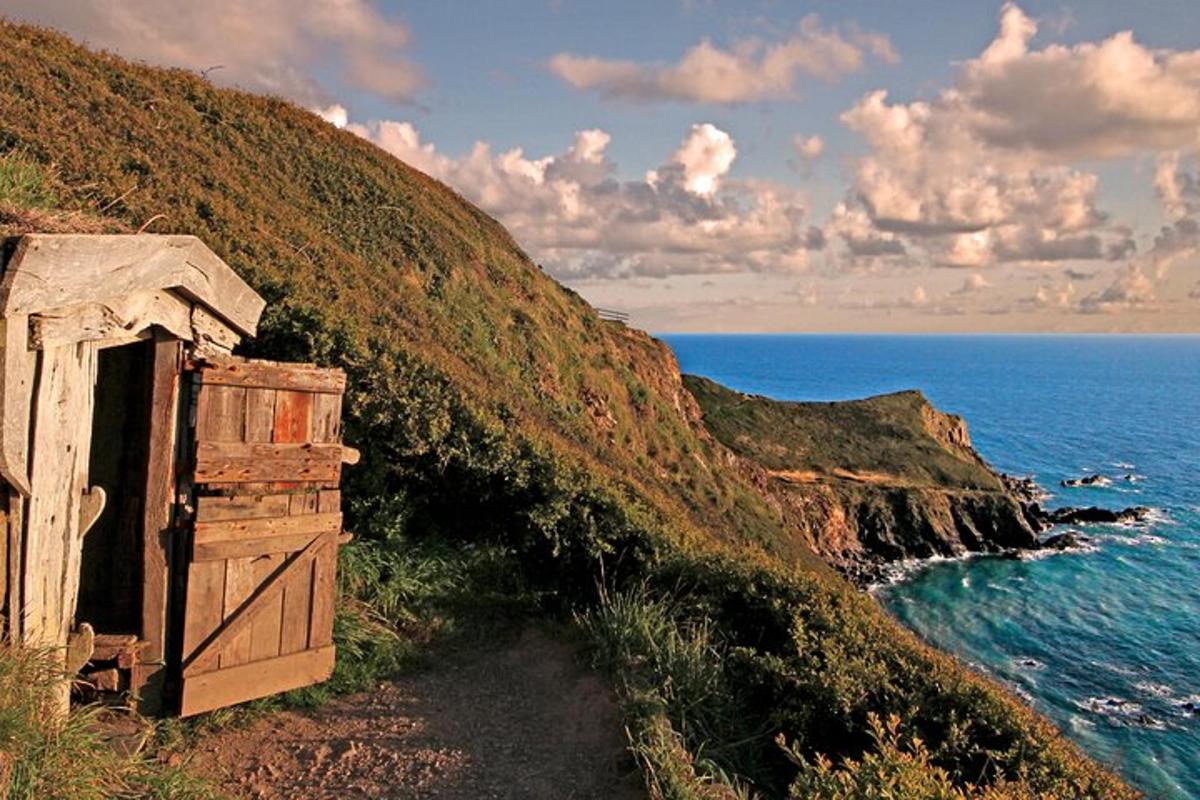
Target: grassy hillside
[[493, 407], [897, 438]]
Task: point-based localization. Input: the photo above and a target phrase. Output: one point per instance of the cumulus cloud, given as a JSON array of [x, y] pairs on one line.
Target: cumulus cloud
[[705, 156], [751, 69], [1091, 100], [336, 115], [983, 173], [687, 216], [272, 46]]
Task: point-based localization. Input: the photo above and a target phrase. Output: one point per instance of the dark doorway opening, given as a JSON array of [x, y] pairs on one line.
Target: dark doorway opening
[[110, 588]]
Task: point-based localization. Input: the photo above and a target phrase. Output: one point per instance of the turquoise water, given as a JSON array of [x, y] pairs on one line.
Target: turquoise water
[[1105, 642]]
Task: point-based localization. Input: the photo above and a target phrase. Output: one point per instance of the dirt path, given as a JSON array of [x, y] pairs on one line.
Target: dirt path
[[521, 721]]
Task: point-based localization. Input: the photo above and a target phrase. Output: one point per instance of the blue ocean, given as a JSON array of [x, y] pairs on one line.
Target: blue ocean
[[1106, 641]]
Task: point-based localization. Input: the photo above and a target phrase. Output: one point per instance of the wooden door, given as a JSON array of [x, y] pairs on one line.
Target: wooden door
[[259, 599]]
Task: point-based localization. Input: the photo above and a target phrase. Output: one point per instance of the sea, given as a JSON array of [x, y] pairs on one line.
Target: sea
[[1104, 641]]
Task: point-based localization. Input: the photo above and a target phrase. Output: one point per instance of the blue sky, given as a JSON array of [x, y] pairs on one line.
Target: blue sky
[[1029, 167]]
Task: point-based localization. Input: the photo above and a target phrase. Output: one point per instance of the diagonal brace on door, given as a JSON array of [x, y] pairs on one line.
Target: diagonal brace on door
[[241, 618]]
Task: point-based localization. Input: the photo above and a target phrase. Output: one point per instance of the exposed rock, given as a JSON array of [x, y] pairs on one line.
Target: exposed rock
[[1069, 540], [1024, 488], [1086, 480], [1092, 515]]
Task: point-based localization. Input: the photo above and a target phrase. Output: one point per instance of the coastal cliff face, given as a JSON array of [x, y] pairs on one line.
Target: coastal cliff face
[[870, 482]]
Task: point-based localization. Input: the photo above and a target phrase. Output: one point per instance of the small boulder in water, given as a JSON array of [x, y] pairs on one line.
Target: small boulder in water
[[1070, 540], [1086, 480]]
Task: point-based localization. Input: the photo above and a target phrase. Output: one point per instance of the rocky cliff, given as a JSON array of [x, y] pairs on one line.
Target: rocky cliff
[[870, 482]]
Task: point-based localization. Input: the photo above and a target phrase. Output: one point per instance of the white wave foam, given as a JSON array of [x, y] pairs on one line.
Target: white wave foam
[[1155, 689], [1110, 706]]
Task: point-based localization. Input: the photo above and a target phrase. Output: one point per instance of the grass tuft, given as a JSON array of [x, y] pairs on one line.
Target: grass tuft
[[51, 758]]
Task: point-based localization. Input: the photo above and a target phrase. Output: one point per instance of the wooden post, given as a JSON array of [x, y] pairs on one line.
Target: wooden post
[[149, 679], [60, 448]]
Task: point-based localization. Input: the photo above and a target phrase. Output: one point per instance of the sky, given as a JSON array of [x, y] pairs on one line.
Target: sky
[[764, 166]]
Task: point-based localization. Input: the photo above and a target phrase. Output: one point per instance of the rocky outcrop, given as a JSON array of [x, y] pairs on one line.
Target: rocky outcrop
[[1091, 515], [1086, 480], [866, 483], [865, 528]]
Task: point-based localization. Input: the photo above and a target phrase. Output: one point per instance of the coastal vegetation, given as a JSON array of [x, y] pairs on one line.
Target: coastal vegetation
[[521, 458], [874, 481]]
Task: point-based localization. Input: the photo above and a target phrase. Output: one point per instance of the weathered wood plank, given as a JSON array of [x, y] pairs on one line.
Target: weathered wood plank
[[324, 594], [326, 418], [210, 334], [266, 527], [208, 691], [119, 320], [58, 477], [221, 414], [242, 506], [266, 626], [242, 617], [297, 605], [293, 417], [304, 503], [17, 365], [240, 584], [250, 548], [205, 606], [290, 377], [159, 494], [260, 415], [218, 462], [14, 533], [56, 270], [330, 501]]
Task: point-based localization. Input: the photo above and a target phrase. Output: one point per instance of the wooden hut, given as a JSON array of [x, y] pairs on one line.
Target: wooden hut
[[170, 512]]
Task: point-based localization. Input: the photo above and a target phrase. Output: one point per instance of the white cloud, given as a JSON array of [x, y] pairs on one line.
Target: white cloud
[[751, 69], [983, 173], [705, 155], [687, 216], [809, 148], [336, 115], [272, 46], [1101, 99]]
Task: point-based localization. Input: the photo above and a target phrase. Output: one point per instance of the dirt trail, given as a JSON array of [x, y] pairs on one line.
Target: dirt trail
[[523, 720]]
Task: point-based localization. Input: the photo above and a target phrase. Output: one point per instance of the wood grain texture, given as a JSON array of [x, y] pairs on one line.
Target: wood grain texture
[[242, 506], [212, 690], [17, 365], [119, 320], [240, 585], [55, 270], [210, 334], [15, 534], [157, 520], [241, 462], [58, 477], [268, 618], [204, 611], [239, 620], [293, 377]]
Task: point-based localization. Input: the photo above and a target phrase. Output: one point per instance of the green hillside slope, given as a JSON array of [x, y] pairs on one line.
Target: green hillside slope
[[491, 405], [869, 482]]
